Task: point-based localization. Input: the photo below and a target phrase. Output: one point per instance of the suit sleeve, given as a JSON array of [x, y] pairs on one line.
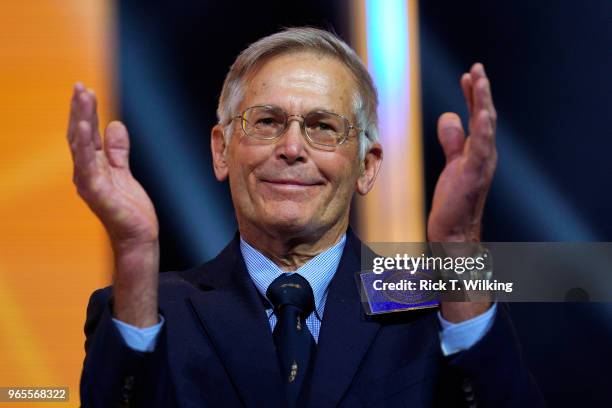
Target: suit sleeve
[[114, 375], [491, 373]]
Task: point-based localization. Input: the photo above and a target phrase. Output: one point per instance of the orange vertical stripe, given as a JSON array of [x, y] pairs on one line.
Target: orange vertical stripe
[[53, 252], [394, 211]]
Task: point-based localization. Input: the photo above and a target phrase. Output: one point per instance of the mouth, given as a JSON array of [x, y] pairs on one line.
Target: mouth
[[290, 184]]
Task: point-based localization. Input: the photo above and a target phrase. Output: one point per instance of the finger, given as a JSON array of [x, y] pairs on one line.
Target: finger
[[87, 111], [466, 87], [483, 98], [117, 145], [85, 169], [95, 122], [73, 117], [477, 71], [451, 135], [481, 147]]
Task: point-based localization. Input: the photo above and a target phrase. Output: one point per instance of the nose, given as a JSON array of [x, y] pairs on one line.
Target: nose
[[291, 145]]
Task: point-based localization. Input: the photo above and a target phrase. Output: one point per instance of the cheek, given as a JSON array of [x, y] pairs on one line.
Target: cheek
[[342, 171], [242, 160]]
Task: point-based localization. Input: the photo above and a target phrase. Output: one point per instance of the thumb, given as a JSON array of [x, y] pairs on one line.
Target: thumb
[[451, 135], [117, 145]]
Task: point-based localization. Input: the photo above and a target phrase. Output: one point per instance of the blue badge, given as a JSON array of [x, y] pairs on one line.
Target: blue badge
[[396, 291]]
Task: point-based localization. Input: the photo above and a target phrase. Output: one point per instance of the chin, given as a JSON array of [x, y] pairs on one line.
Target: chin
[[288, 219]]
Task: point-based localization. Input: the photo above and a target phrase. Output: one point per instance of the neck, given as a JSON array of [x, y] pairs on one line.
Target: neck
[[291, 251]]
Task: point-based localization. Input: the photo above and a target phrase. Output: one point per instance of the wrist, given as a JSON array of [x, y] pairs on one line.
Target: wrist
[[127, 246], [466, 232], [457, 312], [136, 304], [457, 236], [135, 282]]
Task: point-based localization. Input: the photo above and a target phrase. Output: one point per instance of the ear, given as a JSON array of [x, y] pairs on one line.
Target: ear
[[369, 168], [218, 147]]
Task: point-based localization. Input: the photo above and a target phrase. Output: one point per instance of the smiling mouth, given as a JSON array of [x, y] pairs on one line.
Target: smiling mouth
[[290, 184]]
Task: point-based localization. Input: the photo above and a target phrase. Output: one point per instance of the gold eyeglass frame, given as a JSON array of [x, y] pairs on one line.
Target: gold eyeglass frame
[[288, 118]]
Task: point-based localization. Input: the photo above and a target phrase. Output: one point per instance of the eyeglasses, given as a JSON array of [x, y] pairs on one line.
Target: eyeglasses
[[321, 128]]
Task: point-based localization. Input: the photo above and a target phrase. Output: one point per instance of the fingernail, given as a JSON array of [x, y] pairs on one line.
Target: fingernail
[[78, 87]]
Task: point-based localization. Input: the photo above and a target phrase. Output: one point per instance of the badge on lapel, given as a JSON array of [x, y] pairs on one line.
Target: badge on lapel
[[396, 291]]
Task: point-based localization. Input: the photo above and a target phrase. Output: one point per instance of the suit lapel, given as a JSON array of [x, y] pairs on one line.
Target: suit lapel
[[232, 314], [345, 334]]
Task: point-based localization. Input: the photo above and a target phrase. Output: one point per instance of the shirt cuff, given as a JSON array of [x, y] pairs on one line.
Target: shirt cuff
[[456, 337], [140, 338]]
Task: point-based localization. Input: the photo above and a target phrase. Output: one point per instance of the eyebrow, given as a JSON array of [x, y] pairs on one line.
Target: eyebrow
[[316, 108]]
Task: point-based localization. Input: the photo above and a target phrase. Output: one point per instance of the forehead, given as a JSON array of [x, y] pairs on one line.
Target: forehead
[[299, 82]]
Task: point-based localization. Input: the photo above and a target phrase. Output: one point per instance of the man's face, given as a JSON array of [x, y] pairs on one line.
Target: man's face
[[286, 185]]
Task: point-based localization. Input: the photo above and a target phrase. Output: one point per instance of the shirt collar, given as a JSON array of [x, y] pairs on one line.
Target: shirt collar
[[318, 271]]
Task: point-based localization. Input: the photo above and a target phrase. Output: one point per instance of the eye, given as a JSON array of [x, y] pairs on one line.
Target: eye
[[263, 119], [323, 127], [266, 121], [324, 123]]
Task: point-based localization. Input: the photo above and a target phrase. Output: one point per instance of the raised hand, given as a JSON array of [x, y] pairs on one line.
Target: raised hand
[[103, 179], [462, 187]]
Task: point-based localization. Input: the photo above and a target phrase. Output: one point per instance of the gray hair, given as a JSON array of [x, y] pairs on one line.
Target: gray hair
[[365, 99]]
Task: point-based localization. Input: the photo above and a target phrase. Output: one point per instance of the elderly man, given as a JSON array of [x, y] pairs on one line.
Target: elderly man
[[276, 319]]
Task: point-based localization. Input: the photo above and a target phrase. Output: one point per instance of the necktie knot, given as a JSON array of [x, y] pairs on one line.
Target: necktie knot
[[293, 290]]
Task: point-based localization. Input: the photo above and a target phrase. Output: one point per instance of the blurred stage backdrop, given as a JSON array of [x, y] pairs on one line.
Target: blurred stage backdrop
[[159, 65]]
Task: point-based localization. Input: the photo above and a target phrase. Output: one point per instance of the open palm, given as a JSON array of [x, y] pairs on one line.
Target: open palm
[[462, 187], [102, 174]]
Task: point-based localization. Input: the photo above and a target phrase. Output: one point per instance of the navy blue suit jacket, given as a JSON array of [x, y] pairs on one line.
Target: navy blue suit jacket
[[216, 350]]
